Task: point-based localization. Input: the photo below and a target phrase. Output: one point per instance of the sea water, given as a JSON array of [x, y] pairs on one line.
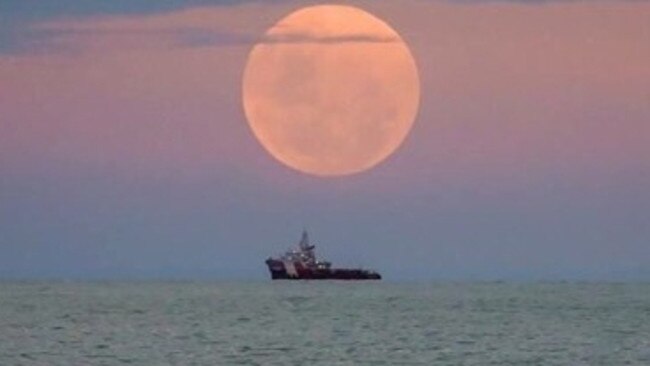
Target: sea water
[[323, 323]]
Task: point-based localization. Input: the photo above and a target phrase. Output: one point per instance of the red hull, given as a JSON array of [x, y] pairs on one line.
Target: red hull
[[279, 272]]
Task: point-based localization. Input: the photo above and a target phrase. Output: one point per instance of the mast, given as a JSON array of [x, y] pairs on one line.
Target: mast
[[304, 240], [307, 250]]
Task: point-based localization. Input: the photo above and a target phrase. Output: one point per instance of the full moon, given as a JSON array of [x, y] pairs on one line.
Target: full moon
[[331, 90]]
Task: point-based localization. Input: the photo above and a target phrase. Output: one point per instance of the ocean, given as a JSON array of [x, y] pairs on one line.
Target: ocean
[[323, 323]]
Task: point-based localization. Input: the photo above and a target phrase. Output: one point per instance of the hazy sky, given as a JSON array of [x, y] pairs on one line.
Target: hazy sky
[[124, 150]]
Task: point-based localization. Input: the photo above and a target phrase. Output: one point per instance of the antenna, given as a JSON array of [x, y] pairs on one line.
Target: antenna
[[304, 240]]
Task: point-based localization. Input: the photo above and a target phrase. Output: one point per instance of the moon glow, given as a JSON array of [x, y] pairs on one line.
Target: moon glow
[[330, 90]]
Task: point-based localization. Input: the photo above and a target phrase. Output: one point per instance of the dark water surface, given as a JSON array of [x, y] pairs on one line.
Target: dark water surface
[[323, 323]]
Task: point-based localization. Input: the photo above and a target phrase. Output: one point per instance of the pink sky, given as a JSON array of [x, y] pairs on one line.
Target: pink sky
[[502, 85], [532, 117]]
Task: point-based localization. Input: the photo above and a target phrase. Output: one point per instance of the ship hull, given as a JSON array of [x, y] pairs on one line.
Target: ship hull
[[280, 270]]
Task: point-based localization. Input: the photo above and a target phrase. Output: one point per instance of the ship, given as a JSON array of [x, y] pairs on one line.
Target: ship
[[300, 263]]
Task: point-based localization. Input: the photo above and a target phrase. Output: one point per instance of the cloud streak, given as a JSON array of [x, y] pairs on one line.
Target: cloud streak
[[308, 38], [61, 38], [21, 21]]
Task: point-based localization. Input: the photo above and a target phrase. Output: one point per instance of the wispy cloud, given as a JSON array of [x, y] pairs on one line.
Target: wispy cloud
[[347, 38], [210, 38], [63, 37], [30, 26]]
